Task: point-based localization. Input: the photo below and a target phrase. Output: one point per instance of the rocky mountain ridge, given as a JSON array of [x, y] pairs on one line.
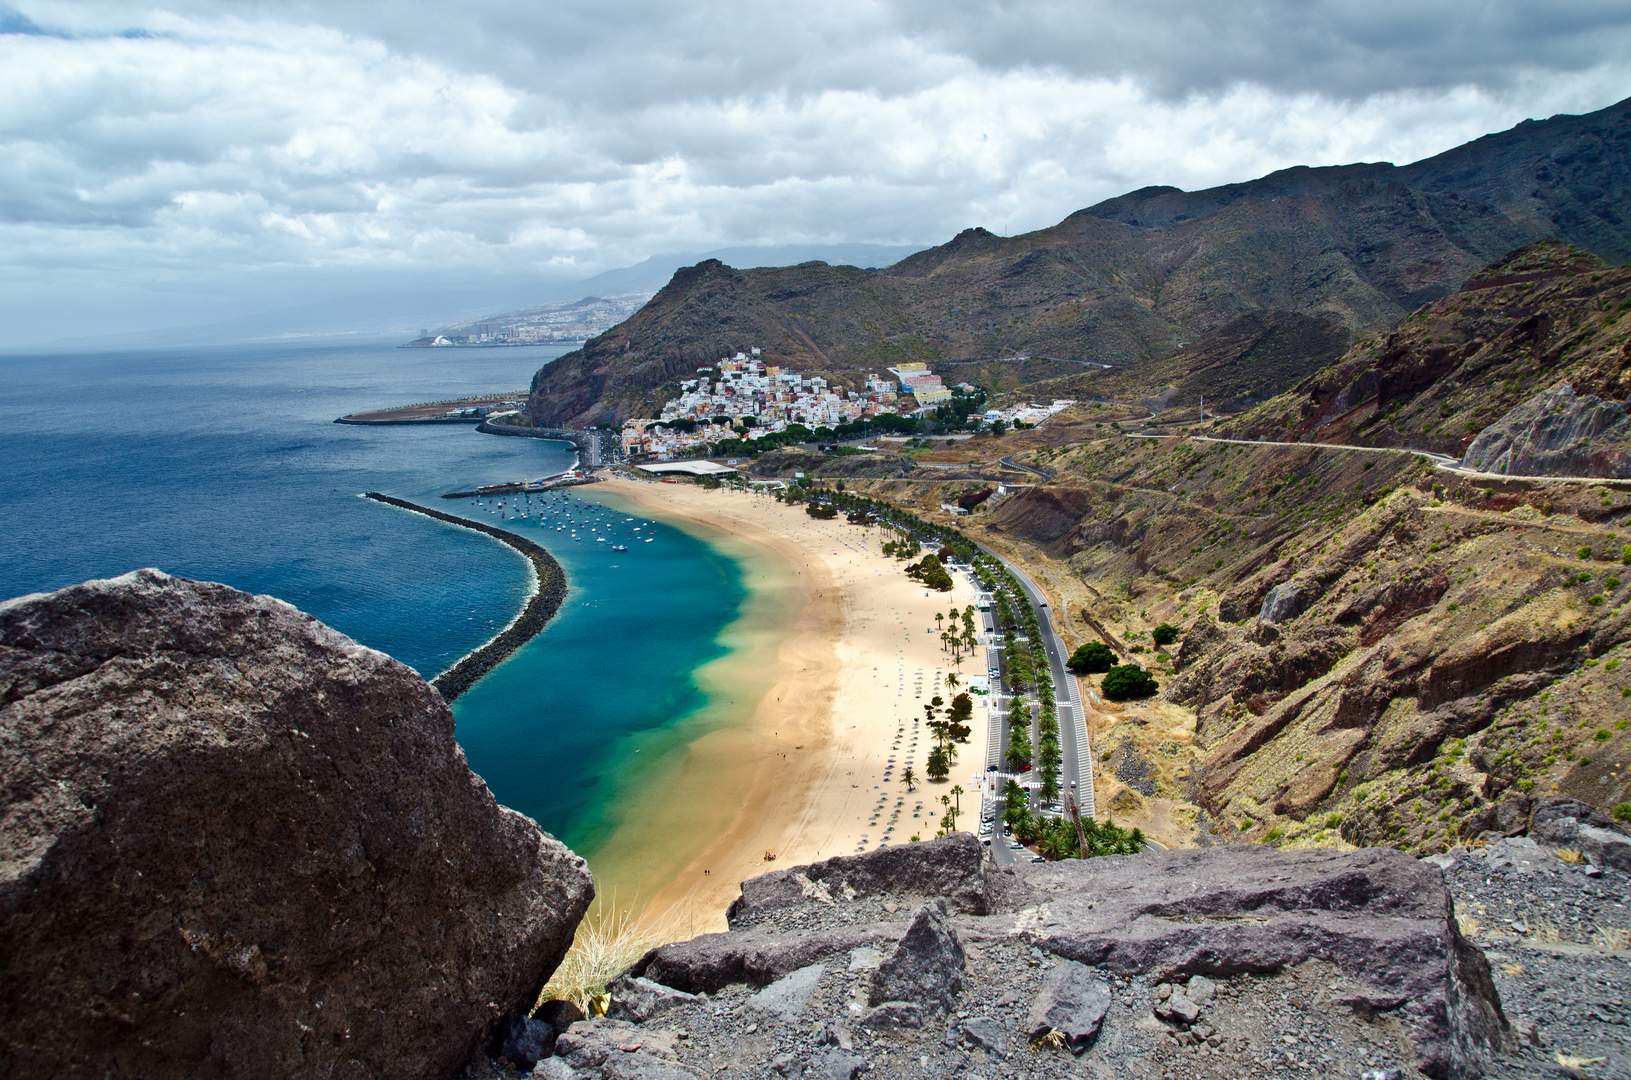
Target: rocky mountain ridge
[[1129, 281], [1524, 371]]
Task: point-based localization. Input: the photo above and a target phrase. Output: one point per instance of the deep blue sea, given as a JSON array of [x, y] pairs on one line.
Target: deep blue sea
[[223, 464]]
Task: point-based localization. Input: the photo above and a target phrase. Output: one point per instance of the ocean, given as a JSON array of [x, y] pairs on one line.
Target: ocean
[[223, 464]]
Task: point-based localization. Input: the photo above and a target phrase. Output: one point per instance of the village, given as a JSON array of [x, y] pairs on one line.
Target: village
[[742, 397]]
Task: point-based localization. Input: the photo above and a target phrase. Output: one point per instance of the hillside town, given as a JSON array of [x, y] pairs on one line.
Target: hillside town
[[742, 397]]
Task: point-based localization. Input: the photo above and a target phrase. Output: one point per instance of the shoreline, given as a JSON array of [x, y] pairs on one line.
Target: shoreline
[[548, 590], [841, 675]]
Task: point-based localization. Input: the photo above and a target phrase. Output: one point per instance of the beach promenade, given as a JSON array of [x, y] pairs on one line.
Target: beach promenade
[[843, 719]]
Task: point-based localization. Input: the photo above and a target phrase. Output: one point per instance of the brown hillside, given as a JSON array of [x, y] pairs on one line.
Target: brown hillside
[[1480, 370], [1441, 649]]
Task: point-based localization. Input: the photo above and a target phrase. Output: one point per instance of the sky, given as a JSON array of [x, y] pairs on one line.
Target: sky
[[194, 161]]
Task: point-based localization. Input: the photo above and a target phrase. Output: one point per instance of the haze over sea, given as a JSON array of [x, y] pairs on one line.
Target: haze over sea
[[223, 464]]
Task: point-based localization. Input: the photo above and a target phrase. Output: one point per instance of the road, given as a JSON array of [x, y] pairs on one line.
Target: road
[[1442, 461], [1012, 464], [1075, 747]]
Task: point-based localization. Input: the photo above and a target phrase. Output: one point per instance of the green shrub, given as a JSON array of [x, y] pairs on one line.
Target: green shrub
[[1526, 785], [1584, 553], [1611, 583], [1622, 812], [1165, 634], [1274, 835], [1094, 658], [1602, 734], [1125, 682], [1625, 555]]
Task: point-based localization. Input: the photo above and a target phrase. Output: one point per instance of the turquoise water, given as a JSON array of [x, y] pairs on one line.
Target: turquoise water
[[223, 464]]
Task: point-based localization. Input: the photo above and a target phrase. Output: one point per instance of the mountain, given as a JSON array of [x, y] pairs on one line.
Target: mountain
[[1523, 371], [1131, 280]]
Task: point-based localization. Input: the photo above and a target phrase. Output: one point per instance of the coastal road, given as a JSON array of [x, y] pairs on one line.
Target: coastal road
[[1074, 744], [1441, 461], [1012, 464]]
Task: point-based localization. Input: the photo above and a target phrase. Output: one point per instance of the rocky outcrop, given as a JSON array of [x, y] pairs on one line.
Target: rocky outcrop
[[1556, 433], [1378, 915], [953, 869], [1089, 951], [1570, 823], [235, 843]]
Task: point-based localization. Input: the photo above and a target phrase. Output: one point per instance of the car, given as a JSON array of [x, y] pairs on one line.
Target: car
[[992, 768], [986, 841], [1016, 845], [1038, 858]]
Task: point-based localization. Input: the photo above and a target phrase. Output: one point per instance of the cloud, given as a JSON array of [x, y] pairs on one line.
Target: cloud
[[226, 155]]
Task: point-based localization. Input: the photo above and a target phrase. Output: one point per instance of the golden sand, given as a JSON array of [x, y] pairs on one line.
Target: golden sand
[[841, 651]]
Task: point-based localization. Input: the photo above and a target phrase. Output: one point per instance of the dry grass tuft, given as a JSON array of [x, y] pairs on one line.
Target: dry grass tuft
[[1468, 926], [1612, 937], [1545, 933], [1570, 856], [1512, 969], [607, 943]]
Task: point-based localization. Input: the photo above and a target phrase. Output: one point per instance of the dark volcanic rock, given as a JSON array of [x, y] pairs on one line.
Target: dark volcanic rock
[[1073, 1002], [1571, 823], [951, 868], [927, 966], [525, 1041], [639, 1000], [756, 957], [236, 843], [1380, 916]]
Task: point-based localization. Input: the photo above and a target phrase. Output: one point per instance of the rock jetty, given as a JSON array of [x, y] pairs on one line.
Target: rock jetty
[[235, 843], [540, 607]]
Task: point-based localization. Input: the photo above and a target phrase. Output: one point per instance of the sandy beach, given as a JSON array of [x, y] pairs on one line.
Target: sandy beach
[[815, 772]]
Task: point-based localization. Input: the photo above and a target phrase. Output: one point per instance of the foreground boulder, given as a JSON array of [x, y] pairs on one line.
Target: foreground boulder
[[1243, 954], [235, 843]]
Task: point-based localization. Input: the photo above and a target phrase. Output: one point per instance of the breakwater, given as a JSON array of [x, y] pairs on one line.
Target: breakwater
[[540, 607], [519, 486]]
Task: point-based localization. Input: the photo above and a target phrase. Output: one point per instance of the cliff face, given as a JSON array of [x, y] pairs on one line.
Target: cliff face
[[235, 843], [1129, 280]]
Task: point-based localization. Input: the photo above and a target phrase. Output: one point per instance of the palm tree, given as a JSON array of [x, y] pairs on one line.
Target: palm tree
[[956, 793], [908, 777], [953, 682], [938, 619]]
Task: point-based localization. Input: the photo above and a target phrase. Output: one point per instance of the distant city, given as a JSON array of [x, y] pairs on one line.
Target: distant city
[[550, 324]]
